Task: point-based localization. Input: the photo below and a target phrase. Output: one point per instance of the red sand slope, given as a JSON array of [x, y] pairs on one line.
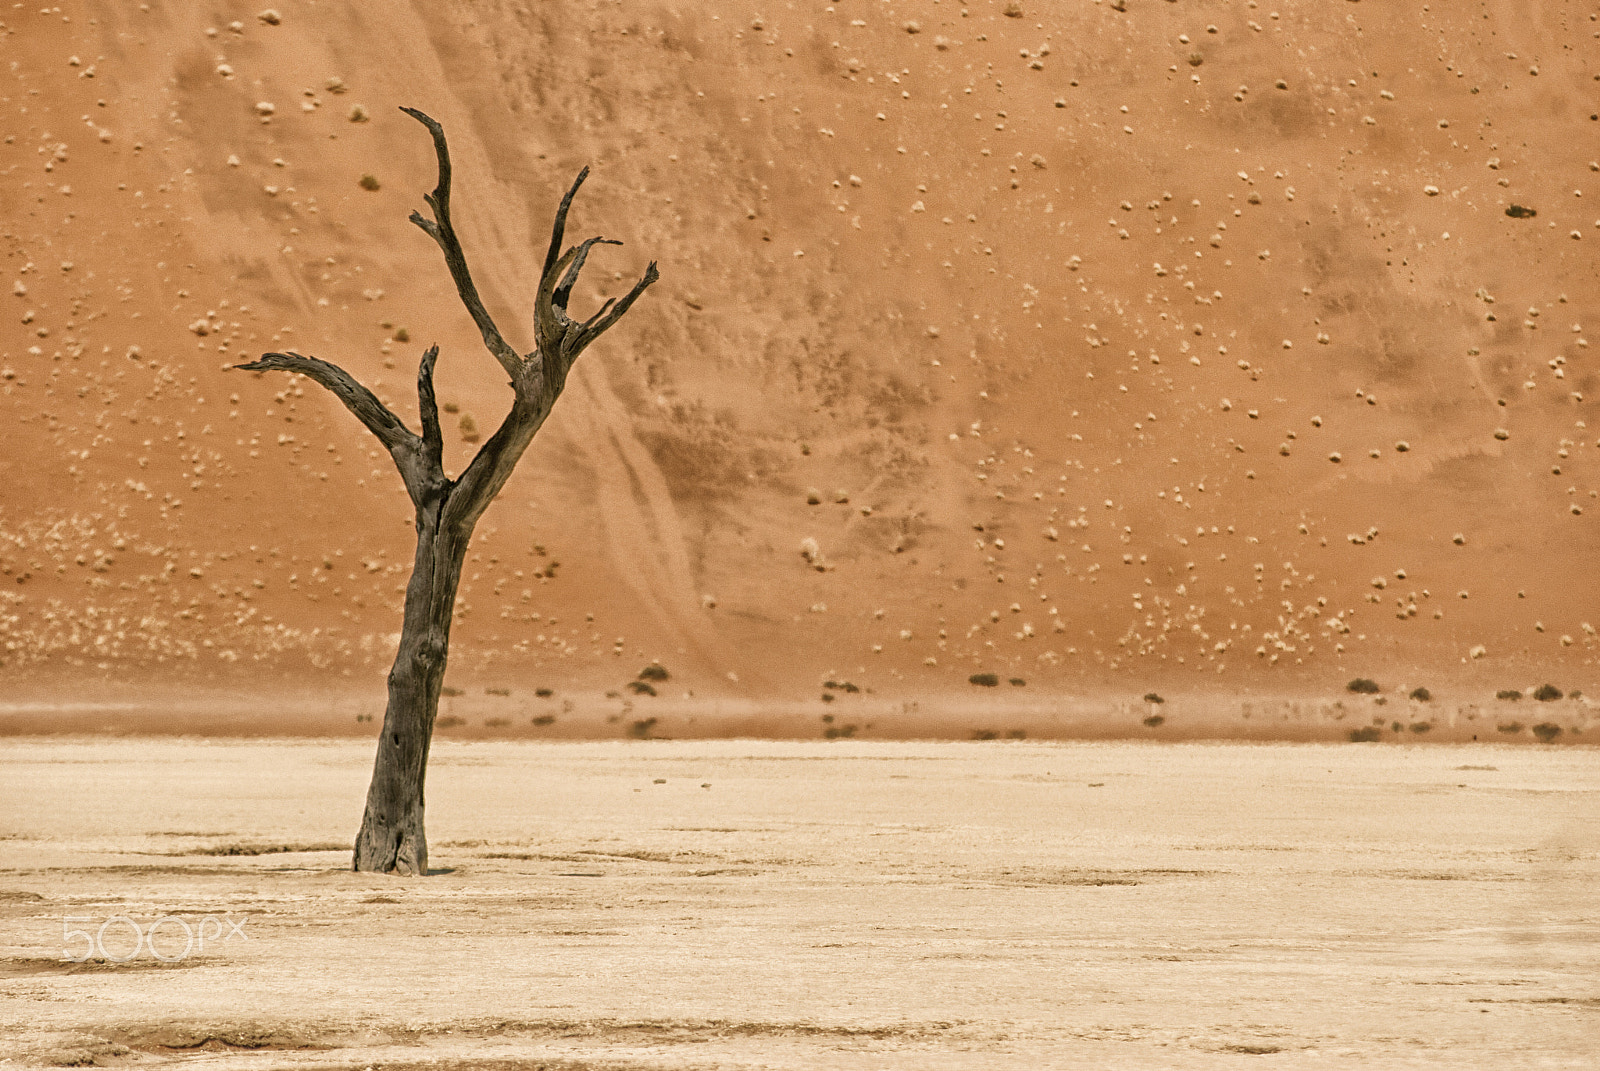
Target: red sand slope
[[1060, 313]]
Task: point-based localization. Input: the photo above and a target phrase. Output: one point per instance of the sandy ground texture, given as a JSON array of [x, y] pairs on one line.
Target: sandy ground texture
[[740, 904], [1215, 344]]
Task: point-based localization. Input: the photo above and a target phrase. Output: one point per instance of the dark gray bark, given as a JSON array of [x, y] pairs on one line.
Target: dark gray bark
[[392, 837]]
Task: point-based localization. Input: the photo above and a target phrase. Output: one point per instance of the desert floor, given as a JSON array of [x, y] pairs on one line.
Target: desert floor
[[733, 904]]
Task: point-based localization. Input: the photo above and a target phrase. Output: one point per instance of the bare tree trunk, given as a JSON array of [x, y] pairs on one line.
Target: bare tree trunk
[[392, 837]]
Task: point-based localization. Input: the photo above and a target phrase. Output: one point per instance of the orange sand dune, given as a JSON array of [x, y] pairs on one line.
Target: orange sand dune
[[1189, 347]]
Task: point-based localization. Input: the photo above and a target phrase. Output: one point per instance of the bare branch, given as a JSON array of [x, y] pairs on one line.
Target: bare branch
[[489, 470], [590, 321], [442, 232], [550, 321], [560, 338], [358, 399], [432, 438], [559, 228], [596, 325], [564, 290]]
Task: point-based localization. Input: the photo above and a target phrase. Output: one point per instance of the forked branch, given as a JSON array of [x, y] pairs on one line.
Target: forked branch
[[537, 378], [560, 337], [420, 459], [563, 290], [609, 314]]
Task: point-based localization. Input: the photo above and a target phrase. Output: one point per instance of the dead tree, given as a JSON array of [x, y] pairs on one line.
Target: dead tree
[[392, 837]]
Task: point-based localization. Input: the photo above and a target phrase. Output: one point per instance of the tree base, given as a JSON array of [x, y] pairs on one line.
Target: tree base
[[391, 851]]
